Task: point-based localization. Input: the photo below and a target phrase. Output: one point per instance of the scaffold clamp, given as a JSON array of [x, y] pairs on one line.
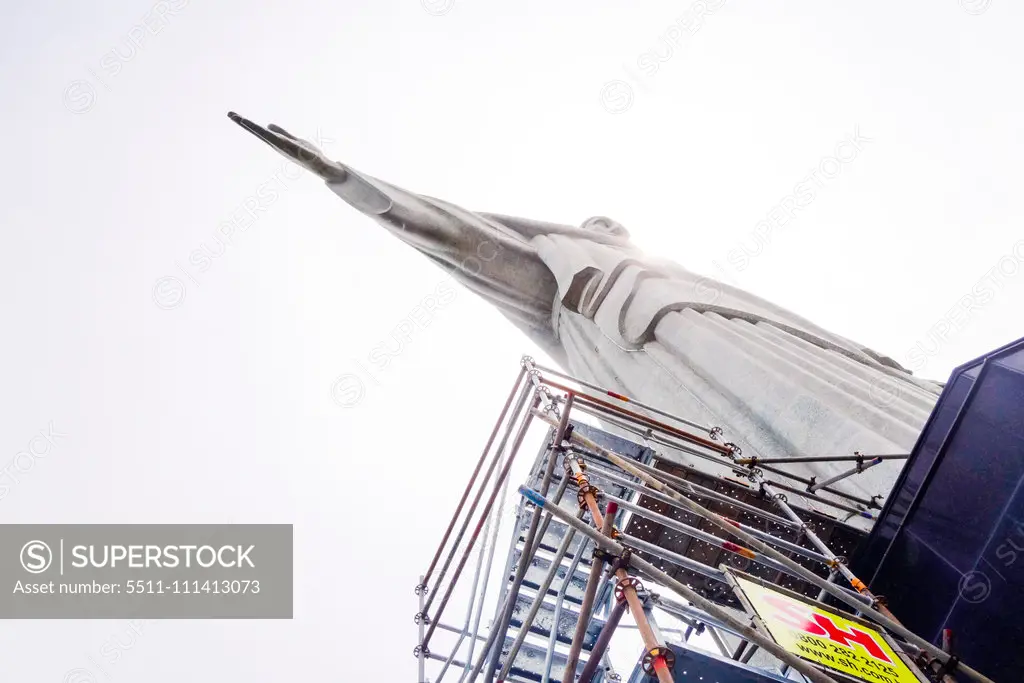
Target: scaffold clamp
[[581, 495], [622, 561], [658, 654], [628, 582], [568, 462], [421, 589], [565, 444], [418, 650], [715, 433], [421, 618], [569, 428], [948, 667]]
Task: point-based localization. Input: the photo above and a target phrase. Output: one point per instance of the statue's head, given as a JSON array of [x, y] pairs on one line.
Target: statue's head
[[605, 226]]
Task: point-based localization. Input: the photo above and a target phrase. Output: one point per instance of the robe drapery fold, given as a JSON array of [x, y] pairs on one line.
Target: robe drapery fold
[[778, 385]]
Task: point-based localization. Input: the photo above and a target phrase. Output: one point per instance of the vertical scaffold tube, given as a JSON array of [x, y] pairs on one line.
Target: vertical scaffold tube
[[601, 644], [493, 519], [479, 612], [421, 654], [636, 608], [577, 469], [524, 560], [524, 393], [520, 435], [472, 478], [553, 638], [593, 581]]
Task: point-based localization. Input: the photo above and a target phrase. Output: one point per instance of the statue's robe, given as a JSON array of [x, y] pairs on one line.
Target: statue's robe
[[778, 385]]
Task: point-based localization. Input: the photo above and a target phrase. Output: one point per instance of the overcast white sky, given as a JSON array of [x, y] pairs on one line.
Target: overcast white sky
[[218, 406]]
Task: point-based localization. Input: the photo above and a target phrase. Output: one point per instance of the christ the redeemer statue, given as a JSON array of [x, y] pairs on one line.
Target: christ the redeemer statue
[[777, 384]]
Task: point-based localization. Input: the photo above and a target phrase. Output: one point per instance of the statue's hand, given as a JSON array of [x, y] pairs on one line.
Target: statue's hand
[[302, 152], [347, 183]]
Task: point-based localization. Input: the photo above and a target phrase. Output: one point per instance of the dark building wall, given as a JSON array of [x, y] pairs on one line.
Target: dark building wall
[[948, 550]]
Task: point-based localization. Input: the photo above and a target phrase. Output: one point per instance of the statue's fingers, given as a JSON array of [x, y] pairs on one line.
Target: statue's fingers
[[281, 131], [300, 151], [251, 126], [312, 151], [285, 145]]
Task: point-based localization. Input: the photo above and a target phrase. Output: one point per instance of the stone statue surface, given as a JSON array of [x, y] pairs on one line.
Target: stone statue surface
[[776, 383]]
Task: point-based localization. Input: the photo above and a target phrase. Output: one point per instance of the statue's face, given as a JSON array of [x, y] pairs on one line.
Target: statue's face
[[605, 225]]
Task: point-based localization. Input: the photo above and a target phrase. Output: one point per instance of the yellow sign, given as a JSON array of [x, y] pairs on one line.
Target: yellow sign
[[824, 637]]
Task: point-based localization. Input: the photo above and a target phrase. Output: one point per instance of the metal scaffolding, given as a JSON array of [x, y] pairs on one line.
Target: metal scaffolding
[[572, 574]]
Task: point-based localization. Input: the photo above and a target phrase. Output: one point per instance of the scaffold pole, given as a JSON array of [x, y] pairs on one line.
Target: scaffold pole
[[520, 435], [488, 549], [421, 654], [601, 644], [593, 581], [472, 478], [626, 399], [476, 499], [554, 448], [820, 458], [813, 488]]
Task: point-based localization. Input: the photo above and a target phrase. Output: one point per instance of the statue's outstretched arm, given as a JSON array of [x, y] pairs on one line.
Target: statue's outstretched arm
[[347, 183], [414, 219]]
